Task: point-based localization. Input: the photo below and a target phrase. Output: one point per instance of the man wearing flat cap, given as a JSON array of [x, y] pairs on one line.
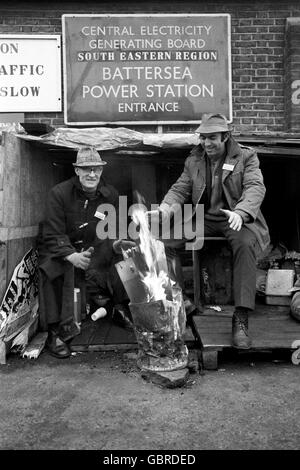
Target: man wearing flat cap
[[226, 178], [70, 253]]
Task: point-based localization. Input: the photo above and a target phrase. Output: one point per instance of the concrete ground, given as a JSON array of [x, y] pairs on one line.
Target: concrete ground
[[98, 401]]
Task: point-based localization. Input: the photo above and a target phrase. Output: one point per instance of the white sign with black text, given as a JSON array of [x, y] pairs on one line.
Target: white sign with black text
[[30, 73]]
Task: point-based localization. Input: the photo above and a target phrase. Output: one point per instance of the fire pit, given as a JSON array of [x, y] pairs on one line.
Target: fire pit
[[159, 328], [156, 303]]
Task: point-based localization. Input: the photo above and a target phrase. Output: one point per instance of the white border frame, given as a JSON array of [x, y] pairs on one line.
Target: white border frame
[[57, 38], [140, 15]]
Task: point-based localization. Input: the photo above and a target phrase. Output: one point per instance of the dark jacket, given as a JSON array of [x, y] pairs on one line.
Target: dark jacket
[[243, 187], [68, 209]]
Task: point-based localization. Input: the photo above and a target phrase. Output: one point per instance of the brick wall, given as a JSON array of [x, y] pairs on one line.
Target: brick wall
[[258, 43], [292, 74]]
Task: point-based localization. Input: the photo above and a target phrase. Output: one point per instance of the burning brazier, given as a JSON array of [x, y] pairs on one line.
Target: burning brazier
[[159, 327], [156, 303]]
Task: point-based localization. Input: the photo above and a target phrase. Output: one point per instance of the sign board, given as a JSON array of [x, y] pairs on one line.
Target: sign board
[[146, 69], [30, 73]]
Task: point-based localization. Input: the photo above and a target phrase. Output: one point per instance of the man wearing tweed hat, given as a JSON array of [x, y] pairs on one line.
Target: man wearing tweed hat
[[225, 177], [70, 253]]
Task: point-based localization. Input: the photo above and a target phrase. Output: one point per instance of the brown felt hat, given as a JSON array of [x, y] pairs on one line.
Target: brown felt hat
[[212, 123], [88, 156]]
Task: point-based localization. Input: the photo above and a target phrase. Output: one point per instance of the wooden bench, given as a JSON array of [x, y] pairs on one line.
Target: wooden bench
[[270, 327]]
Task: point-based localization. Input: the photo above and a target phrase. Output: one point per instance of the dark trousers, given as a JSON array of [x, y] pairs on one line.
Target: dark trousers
[[106, 283], [244, 247], [56, 296], [56, 304]]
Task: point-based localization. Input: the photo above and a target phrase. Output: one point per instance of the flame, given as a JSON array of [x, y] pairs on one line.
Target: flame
[[155, 287], [155, 281], [146, 239]]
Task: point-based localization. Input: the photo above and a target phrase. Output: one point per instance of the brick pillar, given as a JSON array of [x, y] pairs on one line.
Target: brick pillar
[[292, 75]]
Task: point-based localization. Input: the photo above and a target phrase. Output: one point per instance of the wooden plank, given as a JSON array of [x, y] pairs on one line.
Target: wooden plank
[[189, 336], [45, 175], [210, 359], [81, 342], [2, 162], [100, 331], [105, 336], [1, 205], [28, 176], [271, 151], [27, 184], [113, 347], [11, 183], [3, 270], [118, 335], [15, 252], [266, 331], [28, 242], [276, 311], [197, 279], [225, 310], [2, 178], [13, 233], [38, 175]]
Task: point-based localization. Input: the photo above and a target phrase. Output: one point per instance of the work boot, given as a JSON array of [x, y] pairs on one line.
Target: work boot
[[56, 346], [240, 337]]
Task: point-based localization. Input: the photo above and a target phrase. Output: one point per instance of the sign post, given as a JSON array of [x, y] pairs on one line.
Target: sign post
[[146, 69]]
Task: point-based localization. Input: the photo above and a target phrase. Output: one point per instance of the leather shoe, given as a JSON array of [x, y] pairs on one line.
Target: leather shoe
[[56, 346], [122, 317], [68, 331]]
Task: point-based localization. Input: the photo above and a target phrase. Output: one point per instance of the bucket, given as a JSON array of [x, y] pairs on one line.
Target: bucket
[[159, 328]]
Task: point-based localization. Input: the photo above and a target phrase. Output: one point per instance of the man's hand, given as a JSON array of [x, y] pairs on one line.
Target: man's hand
[[120, 245], [156, 216], [235, 220], [81, 260]]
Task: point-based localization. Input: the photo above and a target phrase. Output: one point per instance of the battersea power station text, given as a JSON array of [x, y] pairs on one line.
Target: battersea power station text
[[139, 68]]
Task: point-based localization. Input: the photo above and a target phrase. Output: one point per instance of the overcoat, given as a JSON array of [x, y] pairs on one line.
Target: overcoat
[[69, 226], [242, 183]]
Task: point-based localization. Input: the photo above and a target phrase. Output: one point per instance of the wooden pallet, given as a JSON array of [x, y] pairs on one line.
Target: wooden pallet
[[270, 327], [103, 335]]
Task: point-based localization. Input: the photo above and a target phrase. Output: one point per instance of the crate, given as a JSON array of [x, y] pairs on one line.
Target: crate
[[213, 273], [278, 285]]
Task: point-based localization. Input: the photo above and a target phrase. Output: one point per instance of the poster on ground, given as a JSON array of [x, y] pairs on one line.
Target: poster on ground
[[20, 302]]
